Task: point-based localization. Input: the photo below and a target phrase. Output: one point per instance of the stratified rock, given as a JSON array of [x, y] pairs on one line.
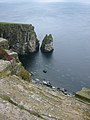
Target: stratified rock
[[20, 100], [4, 43], [47, 44], [84, 94], [21, 37]]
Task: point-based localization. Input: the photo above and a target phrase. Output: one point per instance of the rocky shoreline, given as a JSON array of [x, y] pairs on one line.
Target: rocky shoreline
[[49, 85], [21, 98]]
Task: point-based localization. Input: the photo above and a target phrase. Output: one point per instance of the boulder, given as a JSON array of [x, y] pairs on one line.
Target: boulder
[[47, 44], [45, 71], [4, 43], [5, 56], [47, 83], [4, 65]]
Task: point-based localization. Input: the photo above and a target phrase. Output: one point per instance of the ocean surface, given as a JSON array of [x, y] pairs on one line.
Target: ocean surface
[[69, 23]]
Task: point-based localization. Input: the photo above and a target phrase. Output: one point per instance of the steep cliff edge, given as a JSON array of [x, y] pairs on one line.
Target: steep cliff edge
[[21, 37], [22, 100]]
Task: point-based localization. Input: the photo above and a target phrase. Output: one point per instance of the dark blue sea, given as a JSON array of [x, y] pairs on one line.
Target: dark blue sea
[[69, 23]]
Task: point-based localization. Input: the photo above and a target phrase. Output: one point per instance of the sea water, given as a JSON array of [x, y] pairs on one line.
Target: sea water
[[69, 23]]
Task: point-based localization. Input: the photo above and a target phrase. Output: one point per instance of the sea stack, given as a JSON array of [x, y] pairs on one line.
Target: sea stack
[[47, 44]]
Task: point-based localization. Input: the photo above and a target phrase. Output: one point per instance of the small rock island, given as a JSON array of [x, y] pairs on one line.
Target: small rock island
[[47, 44]]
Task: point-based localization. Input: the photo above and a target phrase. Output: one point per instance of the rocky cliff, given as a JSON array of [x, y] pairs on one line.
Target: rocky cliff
[[22, 100], [10, 64], [47, 44], [21, 37]]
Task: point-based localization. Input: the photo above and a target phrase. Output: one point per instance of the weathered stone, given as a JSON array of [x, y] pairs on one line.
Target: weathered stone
[[84, 94], [47, 44], [38, 102], [9, 111], [4, 43], [13, 67], [13, 54], [21, 37], [33, 45], [4, 65]]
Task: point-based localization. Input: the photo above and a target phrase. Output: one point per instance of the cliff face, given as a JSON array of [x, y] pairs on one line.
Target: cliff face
[[22, 100], [21, 37]]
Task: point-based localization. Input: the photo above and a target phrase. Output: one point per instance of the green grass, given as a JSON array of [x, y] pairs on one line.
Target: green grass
[[24, 74], [5, 23]]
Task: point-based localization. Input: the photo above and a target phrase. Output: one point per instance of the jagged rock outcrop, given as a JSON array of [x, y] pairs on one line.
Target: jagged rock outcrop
[[21, 37], [47, 44], [10, 64], [4, 43]]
